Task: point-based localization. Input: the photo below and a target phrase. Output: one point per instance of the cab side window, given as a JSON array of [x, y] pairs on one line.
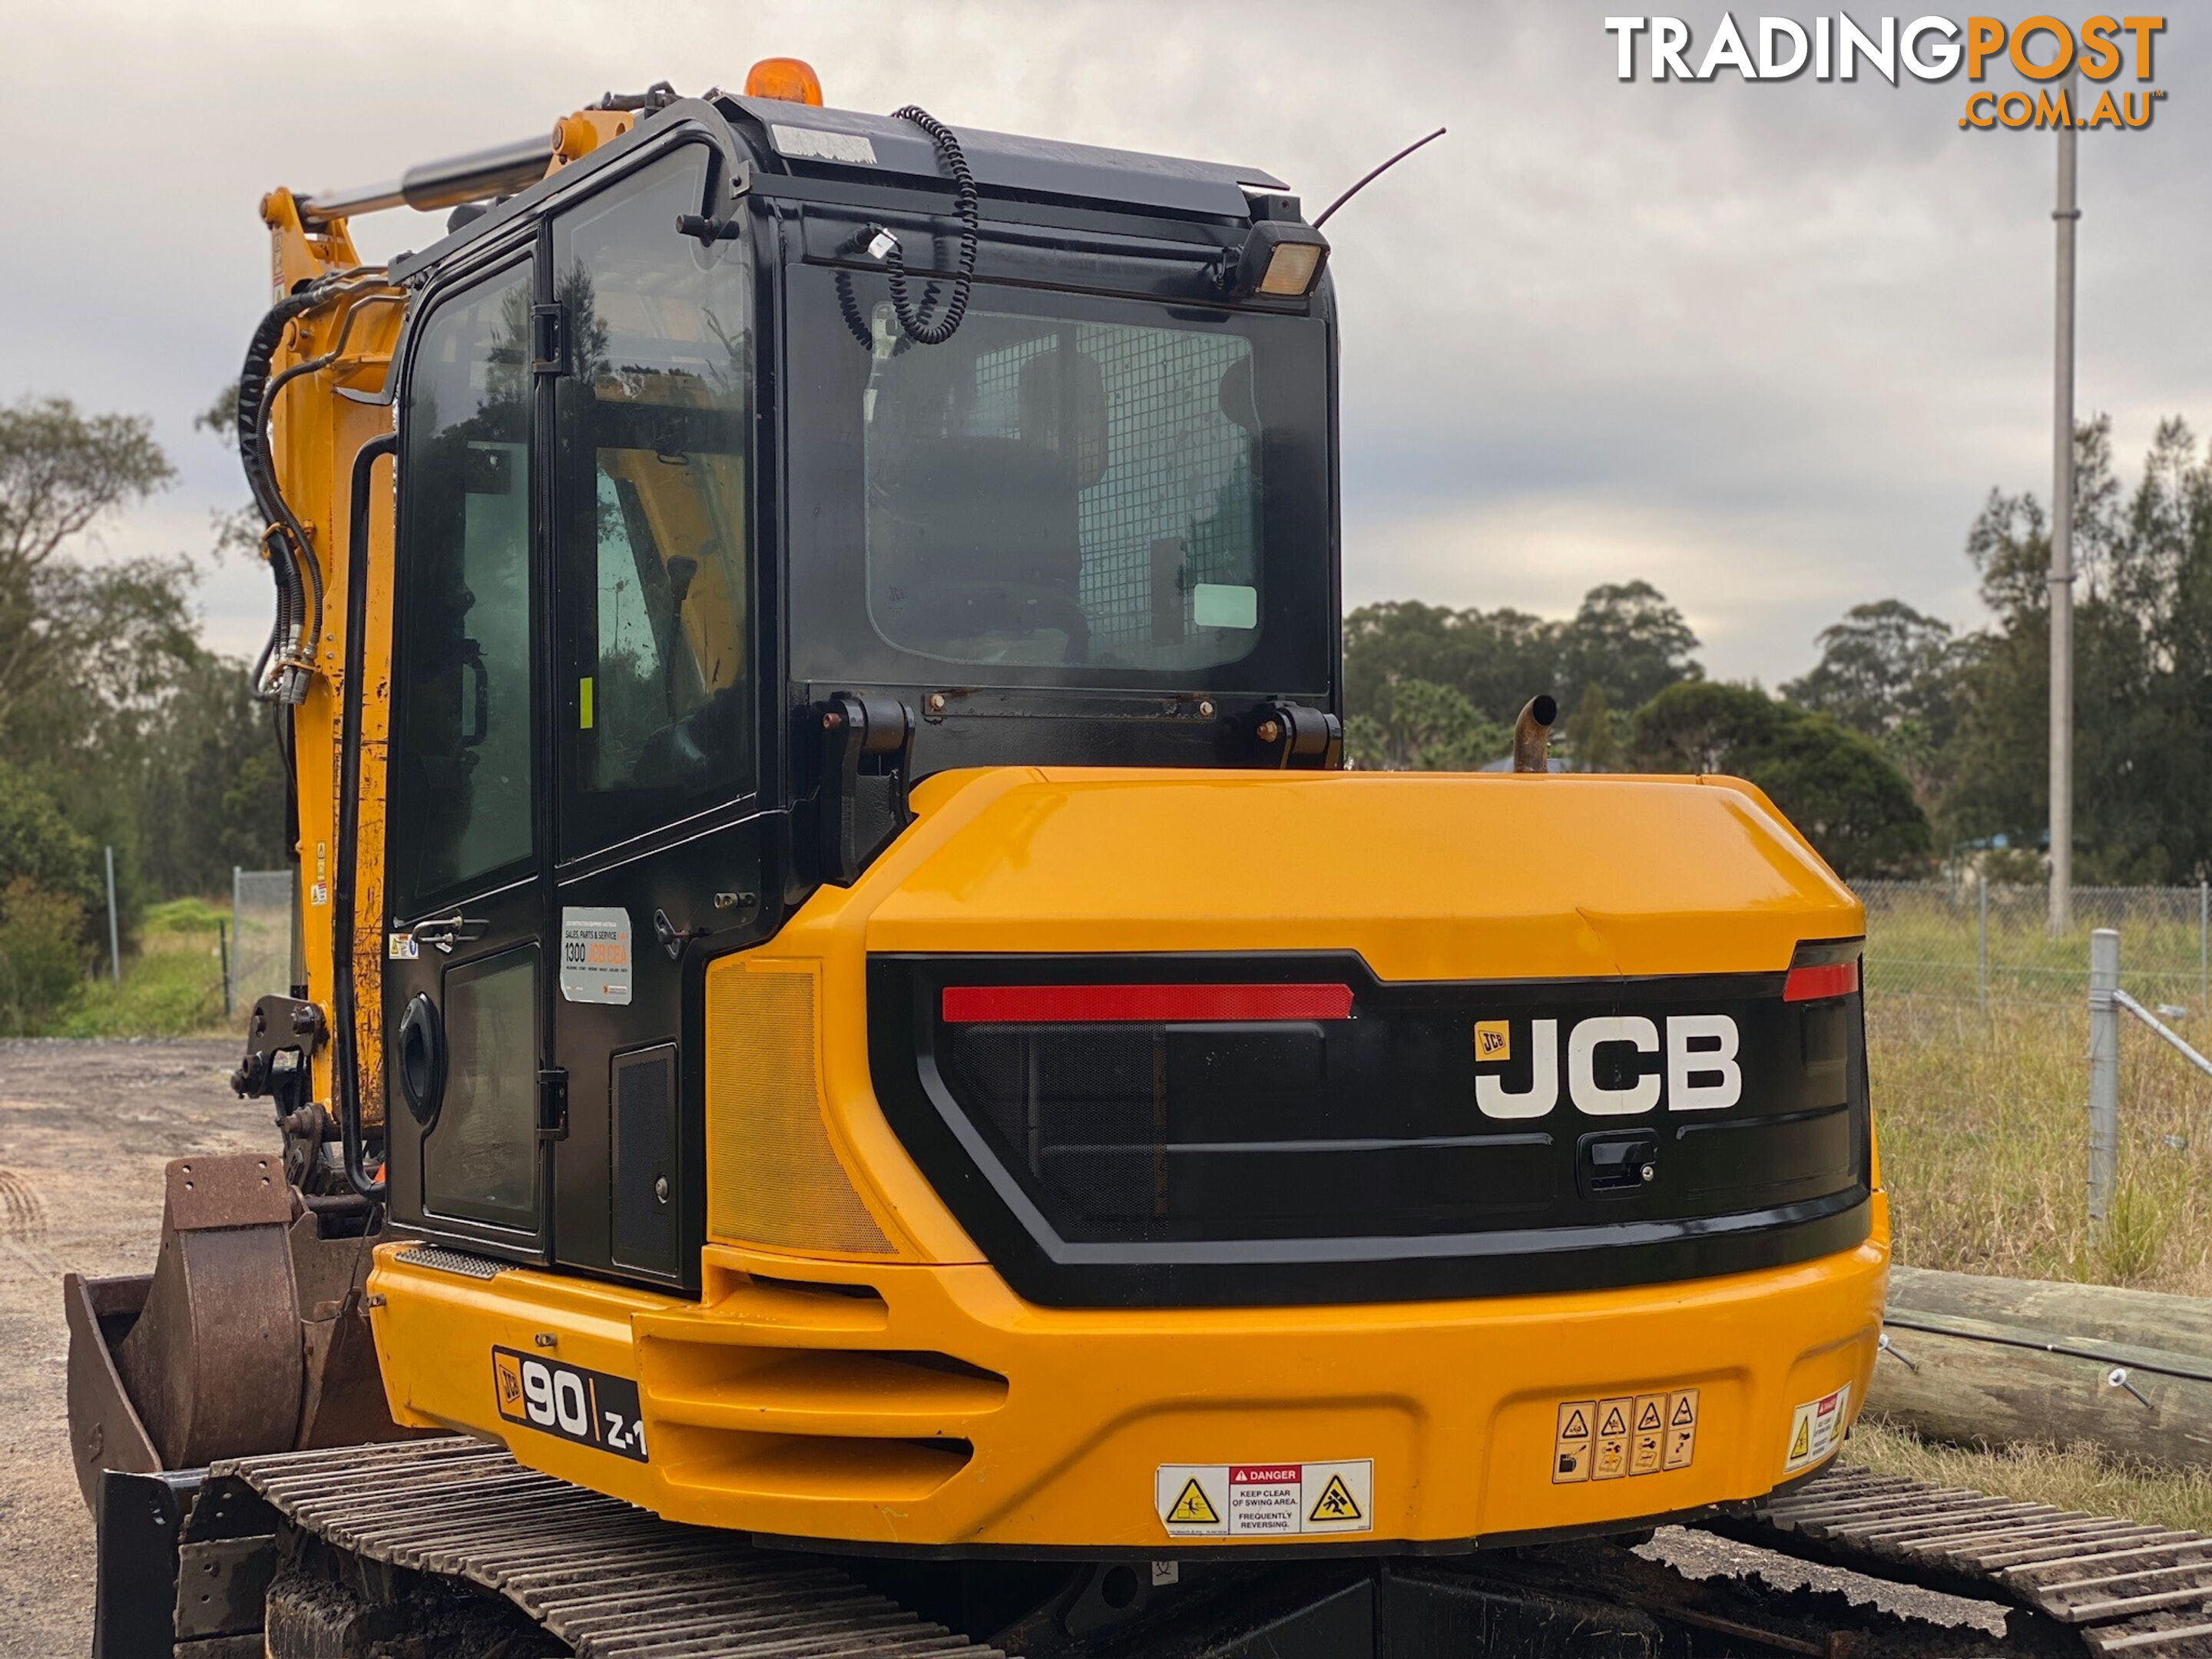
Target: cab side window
[[460, 766], [653, 561]]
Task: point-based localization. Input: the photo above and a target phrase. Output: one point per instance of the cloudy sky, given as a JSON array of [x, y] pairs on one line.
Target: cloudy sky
[[1766, 345]]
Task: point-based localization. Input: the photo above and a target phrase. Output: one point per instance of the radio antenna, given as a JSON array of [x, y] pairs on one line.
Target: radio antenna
[[1373, 176]]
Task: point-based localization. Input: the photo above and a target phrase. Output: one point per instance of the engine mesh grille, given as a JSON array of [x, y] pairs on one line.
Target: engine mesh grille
[[773, 1178]]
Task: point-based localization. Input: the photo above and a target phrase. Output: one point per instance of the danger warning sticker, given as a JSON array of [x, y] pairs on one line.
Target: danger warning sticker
[[1816, 1429], [1634, 1434], [1261, 1500]]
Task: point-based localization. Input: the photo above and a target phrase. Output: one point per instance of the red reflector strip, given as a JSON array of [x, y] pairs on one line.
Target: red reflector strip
[[1041, 1004], [1829, 979]]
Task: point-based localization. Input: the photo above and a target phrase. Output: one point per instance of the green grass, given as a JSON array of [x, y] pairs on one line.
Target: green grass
[[1924, 940], [1983, 1126], [171, 988]]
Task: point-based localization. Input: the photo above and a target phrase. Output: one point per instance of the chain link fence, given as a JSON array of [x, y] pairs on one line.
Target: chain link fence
[[260, 934], [1970, 941]]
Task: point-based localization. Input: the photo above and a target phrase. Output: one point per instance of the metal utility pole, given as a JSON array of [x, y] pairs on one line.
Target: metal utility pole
[[2104, 1078], [2067, 216]]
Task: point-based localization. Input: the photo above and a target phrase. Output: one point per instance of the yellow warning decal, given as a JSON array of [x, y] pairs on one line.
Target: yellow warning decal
[[1816, 1429], [1258, 1500], [1493, 1041], [1336, 1503], [1191, 1508], [1628, 1434]]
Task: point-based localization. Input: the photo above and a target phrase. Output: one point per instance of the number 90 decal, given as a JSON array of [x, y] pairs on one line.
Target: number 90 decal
[[592, 1408]]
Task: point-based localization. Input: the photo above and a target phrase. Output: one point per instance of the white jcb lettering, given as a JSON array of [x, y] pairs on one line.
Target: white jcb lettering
[[1640, 1094], [1702, 1072], [1542, 1093], [1706, 1078]]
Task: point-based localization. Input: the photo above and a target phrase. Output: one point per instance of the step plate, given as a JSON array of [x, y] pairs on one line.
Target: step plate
[[602, 1575]]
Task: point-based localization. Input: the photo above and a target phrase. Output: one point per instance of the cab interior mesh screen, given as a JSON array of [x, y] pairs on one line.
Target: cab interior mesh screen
[[772, 1176]]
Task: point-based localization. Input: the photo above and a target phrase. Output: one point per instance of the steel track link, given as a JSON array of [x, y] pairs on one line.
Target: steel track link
[[610, 1580], [2125, 1588]]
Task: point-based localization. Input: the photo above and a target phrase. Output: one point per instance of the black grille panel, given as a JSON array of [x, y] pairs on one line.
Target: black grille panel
[[1172, 1154]]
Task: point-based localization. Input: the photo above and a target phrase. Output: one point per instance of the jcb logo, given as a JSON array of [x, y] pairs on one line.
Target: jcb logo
[[1700, 1074]]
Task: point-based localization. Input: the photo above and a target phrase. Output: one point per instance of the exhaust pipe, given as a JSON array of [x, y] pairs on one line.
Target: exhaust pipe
[[500, 171], [1532, 734]]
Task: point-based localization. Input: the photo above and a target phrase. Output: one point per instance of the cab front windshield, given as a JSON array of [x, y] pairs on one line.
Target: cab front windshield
[[1054, 493]]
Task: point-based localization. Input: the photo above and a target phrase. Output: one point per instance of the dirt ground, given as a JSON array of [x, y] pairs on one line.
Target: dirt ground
[[85, 1129]]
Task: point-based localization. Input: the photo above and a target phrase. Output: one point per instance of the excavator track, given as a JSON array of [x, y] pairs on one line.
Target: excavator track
[[604, 1576], [2123, 1587], [607, 1579]]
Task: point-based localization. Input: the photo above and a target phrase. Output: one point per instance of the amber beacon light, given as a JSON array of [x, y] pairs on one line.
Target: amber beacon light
[[790, 79]]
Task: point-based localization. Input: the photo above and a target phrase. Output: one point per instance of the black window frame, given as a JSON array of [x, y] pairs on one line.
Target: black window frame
[[463, 285], [657, 817]]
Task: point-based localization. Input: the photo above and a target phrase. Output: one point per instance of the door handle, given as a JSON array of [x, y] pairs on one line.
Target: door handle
[[552, 1103], [422, 1044], [478, 706], [446, 931]]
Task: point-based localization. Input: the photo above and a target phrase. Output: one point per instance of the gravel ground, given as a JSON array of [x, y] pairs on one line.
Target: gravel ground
[[85, 1129]]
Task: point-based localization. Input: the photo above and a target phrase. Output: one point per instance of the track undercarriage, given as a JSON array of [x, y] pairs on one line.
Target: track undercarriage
[[448, 1548]]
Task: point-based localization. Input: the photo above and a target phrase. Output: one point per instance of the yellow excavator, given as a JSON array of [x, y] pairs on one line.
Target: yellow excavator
[[862, 1076]]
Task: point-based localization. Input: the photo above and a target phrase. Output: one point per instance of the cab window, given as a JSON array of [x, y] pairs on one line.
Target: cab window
[[653, 561]]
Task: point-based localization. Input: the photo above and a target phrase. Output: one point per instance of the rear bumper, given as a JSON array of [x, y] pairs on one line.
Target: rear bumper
[[929, 1407]]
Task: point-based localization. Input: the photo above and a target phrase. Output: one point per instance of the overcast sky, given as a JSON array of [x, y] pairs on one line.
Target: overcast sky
[[1766, 345]]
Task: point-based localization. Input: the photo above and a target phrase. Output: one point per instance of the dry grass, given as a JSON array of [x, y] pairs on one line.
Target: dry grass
[[1983, 1119], [2074, 1478], [1983, 1125]]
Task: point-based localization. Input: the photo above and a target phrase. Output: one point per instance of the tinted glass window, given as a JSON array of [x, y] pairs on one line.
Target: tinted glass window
[[1045, 490], [480, 1156], [461, 731], [1074, 490], [653, 581]]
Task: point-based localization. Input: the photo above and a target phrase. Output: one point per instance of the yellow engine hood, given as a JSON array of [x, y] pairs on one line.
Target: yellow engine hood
[[1427, 876]]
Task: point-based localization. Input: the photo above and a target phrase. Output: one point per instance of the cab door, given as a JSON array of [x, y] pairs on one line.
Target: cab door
[[655, 663], [465, 895]]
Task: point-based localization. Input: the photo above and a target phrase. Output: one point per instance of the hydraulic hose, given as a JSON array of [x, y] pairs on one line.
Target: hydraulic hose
[[298, 626], [886, 247], [345, 1070]]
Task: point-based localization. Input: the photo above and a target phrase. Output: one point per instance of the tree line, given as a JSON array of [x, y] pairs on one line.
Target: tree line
[[1909, 743], [118, 727], [1906, 744]]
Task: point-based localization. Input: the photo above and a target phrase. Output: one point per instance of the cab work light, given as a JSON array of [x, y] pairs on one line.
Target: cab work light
[[1069, 1005], [1280, 260]]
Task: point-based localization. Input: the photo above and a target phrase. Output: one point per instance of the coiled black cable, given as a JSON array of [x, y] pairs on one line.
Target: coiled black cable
[[894, 256]]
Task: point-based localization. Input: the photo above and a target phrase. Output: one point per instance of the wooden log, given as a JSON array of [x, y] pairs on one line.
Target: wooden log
[[1983, 1361]]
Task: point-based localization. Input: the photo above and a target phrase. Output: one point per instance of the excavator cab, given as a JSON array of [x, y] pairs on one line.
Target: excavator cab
[[703, 559]]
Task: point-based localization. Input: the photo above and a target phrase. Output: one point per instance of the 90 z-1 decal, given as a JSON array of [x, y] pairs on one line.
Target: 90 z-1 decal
[[589, 1408]]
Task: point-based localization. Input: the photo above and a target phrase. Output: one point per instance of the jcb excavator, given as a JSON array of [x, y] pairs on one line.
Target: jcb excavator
[[863, 1076]]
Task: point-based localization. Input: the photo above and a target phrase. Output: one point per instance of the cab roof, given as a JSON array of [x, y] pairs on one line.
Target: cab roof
[[845, 144]]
